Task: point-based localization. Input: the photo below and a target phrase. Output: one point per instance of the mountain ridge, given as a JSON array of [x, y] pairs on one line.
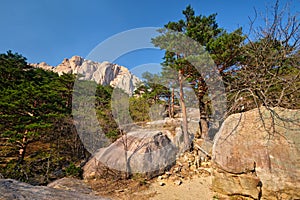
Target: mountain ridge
[[104, 73]]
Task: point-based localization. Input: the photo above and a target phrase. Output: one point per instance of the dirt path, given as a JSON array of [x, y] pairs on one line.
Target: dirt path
[[195, 188]]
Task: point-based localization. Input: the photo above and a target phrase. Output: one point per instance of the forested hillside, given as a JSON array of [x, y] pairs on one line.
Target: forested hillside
[[38, 140]]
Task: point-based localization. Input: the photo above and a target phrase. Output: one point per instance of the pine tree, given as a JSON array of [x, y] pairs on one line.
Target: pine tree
[[222, 47]]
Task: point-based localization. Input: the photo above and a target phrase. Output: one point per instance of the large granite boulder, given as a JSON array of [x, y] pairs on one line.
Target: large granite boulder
[[257, 154], [145, 152], [11, 189]]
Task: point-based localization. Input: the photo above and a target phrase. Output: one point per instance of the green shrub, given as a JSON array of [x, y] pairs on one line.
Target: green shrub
[[73, 171]]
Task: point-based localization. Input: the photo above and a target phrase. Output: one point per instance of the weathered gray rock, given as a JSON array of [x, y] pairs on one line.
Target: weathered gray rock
[[11, 189], [175, 124], [259, 148], [193, 127], [149, 153], [178, 139], [193, 113], [104, 73], [157, 123], [71, 184]]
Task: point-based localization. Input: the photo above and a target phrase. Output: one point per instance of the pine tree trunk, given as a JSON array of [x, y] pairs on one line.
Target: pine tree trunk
[[184, 115], [22, 149], [203, 119], [169, 107], [172, 103], [204, 127]]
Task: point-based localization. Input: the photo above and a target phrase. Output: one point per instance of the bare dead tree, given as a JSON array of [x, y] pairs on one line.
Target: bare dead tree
[[127, 163], [269, 73]]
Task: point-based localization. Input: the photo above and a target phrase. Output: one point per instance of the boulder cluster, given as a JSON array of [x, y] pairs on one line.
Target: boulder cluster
[[254, 155]]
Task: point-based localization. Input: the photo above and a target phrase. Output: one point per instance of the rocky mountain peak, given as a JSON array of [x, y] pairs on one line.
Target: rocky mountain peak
[[104, 73], [43, 66]]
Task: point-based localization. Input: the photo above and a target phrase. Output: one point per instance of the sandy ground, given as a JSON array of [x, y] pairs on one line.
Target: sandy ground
[[195, 188]]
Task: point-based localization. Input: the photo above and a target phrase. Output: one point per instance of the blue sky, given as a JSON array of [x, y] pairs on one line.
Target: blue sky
[[51, 30]]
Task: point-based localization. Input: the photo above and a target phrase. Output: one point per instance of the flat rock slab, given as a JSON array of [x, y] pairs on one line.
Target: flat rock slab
[[12, 189], [71, 184]]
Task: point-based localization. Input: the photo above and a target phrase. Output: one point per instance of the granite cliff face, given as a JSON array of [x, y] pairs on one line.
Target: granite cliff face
[[104, 73]]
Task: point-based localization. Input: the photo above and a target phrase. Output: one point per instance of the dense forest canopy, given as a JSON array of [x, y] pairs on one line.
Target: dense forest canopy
[[39, 141]]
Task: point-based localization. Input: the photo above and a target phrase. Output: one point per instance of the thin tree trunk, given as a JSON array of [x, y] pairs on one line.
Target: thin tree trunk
[[203, 119], [172, 103], [127, 167], [22, 149], [169, 106], [184, 115], [204, 127]]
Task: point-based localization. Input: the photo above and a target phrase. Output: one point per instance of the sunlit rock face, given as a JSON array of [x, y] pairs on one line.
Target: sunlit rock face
[[146, 152], [256, 153], [104, 73]]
